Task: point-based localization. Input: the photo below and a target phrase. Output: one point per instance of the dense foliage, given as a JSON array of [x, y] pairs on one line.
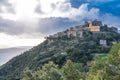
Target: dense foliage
[[51, 71], [105, 68]]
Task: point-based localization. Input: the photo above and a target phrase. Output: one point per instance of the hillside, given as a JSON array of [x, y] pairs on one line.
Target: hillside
[[59, 49], [102, 67]]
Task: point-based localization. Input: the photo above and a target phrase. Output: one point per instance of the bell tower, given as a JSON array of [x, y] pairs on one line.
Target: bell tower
[[94, 26]]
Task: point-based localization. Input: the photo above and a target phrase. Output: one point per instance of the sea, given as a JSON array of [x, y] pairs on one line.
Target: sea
[[8, 53]]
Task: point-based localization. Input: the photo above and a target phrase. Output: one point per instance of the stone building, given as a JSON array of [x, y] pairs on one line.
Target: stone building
[[59, 34], [79, 34], [103, 42], [71, 33], [75, 31], [95, 25]]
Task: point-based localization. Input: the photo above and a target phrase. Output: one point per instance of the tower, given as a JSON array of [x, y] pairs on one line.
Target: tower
[[94, 26]]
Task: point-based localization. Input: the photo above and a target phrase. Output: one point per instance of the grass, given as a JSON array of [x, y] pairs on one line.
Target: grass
[[101, 56]]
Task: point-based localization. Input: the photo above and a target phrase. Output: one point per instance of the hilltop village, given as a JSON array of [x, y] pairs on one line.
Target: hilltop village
[[94, 27]]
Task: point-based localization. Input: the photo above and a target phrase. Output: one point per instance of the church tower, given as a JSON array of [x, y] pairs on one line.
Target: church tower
[[94, 26]]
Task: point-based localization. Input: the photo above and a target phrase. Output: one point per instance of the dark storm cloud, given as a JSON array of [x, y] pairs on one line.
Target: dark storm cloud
[[52, 25], [46, 26], [12, 27]]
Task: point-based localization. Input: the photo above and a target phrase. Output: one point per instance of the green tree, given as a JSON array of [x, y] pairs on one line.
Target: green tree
[[28, 75], [107, 69], [49, 71], [69, 73]]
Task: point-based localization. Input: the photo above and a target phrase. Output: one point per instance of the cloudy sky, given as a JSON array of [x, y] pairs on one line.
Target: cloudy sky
[[27, 22]]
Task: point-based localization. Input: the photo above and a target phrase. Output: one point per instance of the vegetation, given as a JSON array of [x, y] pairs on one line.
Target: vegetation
[[51, 71], [105, 68], [66, 58]]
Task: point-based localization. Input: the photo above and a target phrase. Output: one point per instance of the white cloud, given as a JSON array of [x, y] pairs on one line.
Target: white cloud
[[25, 9], [27, 20], [22, 9], [64, 9], [7, 41], [48, 6]]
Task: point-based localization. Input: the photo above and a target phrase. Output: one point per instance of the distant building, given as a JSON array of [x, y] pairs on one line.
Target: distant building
[[103, 42], [77, 31], [59, 34], [71, 33], [95, 25], [79, 34]]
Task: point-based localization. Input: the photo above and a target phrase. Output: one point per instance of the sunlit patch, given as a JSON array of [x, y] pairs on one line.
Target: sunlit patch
[[22, 8], [7, 41]]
